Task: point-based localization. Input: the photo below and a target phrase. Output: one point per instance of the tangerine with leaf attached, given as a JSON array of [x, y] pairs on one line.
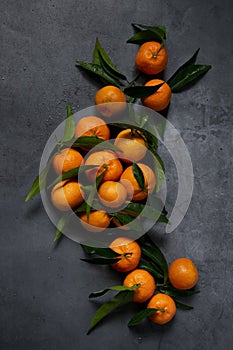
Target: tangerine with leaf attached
[[151, 58], [160, 99], [129, 251], [131, 184], [166, 308], [147, 285]]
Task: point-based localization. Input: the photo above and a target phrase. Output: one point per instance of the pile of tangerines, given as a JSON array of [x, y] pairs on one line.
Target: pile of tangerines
[[118, 183], [113, 172]]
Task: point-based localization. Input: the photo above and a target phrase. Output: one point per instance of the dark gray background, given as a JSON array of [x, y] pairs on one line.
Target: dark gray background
[[44, 291]]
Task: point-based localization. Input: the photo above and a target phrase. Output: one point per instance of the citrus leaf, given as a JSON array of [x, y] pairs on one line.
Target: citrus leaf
[[68, 111], [146, 211], [173, 292], [92, 193], [69, 126], [163, 218], [138, 174], [107, 64], [183, 306], [141, 91], [105, 252], [139, 316], [145, 36], [175, 77], [96, 57], [153, 252], [128, 220], [39, 183], [96, 206], [159, 171], [122, 298], [94, 141], [187, 76], [99, 71], [161, 30], [99, 293], [87, 141], [60, 226], [89, 201], [151, 268], [71, 173], [101, 261]]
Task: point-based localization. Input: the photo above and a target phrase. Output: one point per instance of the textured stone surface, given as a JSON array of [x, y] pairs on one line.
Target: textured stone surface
[[43, 291]]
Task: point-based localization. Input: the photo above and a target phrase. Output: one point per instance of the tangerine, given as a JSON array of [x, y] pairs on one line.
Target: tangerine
[[151, 58], [166, 308], [106, 161], [132, 145], [133, 189], [67, 195], [66, 159], [146, 281], [160, 99], [106, 99], [129, 251], [97, 221], [112, 194], [92, 126], [183, 274]]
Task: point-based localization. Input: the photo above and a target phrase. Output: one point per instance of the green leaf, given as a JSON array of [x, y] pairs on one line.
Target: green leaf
[[183, 306], [101, 261], [96, 57], [121, 299], [159, 171], [128, 220], [99, 293], [94, 141], [144, 210], [187, 73], [141, 91], [163, 218], [60, 226], [100, 177], [188, 76], [138, 174], [68, 111], [107, 64], [93, 192], [89, 201], [105, 252], [69, 126], [152, 251], [159, 30], [98, 71], [191, 61], [151, 141], [96, 206], [39, 183], [131, 100], [139, 316], [151, 268], [145, 36], [71, 173], [176, 293]]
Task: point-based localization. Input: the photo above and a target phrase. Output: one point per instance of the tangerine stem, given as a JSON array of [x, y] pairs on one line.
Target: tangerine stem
[[155, 54], [125, 255]]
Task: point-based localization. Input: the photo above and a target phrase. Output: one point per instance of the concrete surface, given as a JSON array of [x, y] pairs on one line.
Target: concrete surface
[[43, 290]]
